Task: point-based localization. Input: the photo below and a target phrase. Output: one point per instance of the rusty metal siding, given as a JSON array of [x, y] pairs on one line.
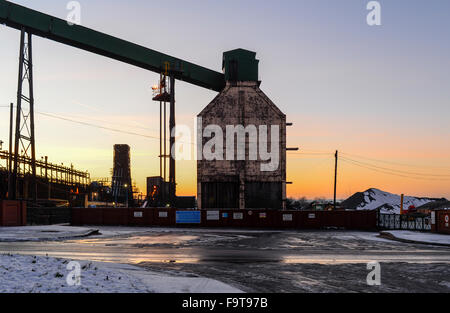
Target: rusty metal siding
[[242, 104]]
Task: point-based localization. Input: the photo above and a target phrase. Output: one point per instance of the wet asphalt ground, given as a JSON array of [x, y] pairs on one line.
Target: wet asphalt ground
[[267, 261]]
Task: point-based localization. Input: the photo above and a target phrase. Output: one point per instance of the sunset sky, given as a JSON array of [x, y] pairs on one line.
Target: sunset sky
[[378, 94]]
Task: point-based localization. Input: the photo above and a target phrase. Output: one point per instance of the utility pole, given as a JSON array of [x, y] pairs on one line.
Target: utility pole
[[401, 203], [335, 177], [172, 186]]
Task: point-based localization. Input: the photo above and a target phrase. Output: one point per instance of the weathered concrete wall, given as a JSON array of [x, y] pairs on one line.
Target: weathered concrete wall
[[243, 104]]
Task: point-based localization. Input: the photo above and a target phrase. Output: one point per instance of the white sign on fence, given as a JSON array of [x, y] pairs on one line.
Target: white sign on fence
[[287, 217], [238, 216], [212, 215], [163, 214], [137, 214], [433, 217], [312, 215]]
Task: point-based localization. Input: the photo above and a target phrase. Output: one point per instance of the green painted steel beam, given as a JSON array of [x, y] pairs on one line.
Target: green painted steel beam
[[59, 30]]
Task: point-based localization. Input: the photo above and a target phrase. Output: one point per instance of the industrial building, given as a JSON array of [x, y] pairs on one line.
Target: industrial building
[[121, 179], [240, 183]]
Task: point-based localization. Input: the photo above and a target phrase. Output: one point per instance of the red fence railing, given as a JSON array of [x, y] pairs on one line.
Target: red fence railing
[[358, 220]]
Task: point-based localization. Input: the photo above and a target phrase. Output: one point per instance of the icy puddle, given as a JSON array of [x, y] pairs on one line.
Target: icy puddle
[[142, 240]]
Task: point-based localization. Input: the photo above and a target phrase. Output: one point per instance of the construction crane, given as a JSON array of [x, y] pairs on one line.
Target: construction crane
[[30, 22]]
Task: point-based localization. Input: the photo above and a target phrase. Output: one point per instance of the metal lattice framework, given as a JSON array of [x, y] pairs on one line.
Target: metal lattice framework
[[56, 29], [24, 146]]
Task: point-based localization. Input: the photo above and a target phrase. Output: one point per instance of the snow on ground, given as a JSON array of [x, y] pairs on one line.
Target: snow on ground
[[108, 231], [349, 235], [112, 231], [65, 231], [51, 232], [118, 229], [420, 237], [374, 198], [25, 274]]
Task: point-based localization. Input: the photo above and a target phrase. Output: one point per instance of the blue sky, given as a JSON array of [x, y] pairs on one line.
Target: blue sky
[[379, 91]]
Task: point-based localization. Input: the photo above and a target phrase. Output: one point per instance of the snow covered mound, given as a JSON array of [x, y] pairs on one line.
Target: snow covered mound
[[36, 274], [39, 274], [373, 199]]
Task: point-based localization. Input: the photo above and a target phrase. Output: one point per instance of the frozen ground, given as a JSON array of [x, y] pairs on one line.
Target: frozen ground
[[40, 274], [65, 231], [419, 237], [261, 261], [51, 232]]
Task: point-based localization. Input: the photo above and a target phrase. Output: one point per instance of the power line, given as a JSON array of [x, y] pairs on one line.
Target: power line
[[352, 162], [366, 165], [399, 171], [68, 119], [392, 163], [108, 122], [97, 126], [96, 120], [105, 127], [388, 171]]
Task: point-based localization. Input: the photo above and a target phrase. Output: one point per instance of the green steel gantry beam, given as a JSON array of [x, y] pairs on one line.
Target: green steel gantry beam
[[59, 30]]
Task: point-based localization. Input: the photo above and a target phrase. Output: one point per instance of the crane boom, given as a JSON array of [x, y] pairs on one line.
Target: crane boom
[[53, 28]]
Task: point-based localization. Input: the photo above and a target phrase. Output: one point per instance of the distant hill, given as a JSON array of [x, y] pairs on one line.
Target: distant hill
[[373, 199]]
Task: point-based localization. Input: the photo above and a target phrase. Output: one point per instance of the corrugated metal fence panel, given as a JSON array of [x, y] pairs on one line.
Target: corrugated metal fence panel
[[23, 207], [164, 217], [363, 220], [140, 217], [76, 216], [115, 216], [309, 220], [92, 216], [12, 213], [49, 216], [285, 219]]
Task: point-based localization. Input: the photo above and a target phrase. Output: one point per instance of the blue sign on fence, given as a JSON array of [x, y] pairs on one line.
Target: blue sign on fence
[[188, 217]]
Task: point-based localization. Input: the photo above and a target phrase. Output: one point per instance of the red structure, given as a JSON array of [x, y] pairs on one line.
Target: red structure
[[13, 213], [358, 220], [441, 221]]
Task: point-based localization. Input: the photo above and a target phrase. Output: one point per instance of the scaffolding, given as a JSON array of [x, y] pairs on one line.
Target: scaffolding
[[52, 173]]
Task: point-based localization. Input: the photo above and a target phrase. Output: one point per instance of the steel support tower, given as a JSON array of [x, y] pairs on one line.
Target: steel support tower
[[165, 93], [24, 143]]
